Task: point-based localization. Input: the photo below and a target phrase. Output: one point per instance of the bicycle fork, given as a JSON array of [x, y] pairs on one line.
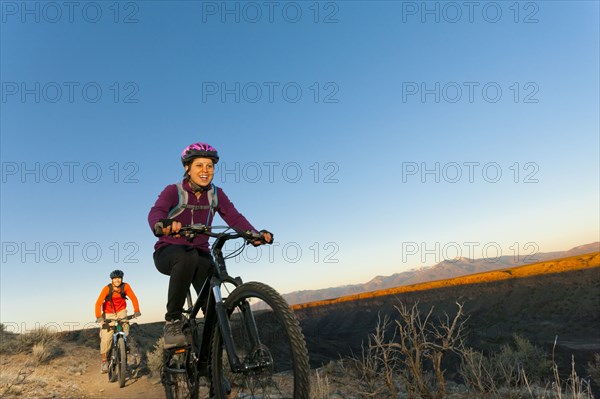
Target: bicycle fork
[[226, 333], [118, 335]]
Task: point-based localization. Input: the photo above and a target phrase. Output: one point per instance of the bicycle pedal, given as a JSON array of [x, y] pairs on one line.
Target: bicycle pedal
[[177, 360]]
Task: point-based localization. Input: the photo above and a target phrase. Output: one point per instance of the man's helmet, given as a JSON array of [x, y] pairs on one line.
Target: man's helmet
[[117, 274], [199, 150]]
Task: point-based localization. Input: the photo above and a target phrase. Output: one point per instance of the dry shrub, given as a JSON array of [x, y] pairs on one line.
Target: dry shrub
[[507, 372], [593, 368], [41, 342], [520, 371], [43, 351], [155, 357], [320, 389], [41, 336], [7, 341], [477, 372], [573, 387], [367, 367], [522, 358], [411, 351]]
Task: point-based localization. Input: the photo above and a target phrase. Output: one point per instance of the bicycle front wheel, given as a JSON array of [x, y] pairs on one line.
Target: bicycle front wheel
[[122, 360], [269, 344], [112, 364]]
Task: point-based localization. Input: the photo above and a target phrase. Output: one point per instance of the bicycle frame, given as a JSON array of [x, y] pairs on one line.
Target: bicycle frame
[[211, 301], [118, 329], [119, 333], [241, 350]]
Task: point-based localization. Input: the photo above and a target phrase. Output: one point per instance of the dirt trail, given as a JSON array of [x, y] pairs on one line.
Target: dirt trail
[[73, 374], [96, 385]]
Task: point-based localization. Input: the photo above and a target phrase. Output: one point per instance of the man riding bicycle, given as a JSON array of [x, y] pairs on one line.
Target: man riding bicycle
[[111, 305], [194, 200]]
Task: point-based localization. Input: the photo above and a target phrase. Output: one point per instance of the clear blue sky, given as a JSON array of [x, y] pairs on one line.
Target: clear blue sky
[[370, 137]]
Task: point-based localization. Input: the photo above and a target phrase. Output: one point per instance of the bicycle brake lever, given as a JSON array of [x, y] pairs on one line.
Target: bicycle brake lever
[[189, 235], [251, 235]]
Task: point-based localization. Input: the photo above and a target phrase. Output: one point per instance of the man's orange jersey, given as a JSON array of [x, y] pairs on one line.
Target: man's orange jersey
[[117, 299]]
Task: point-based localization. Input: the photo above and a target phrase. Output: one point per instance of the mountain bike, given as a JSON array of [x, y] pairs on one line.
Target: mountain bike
[[117, 354], [248, 344]]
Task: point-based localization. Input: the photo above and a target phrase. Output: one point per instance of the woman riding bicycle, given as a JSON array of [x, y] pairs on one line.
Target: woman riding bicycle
[[194, 200]]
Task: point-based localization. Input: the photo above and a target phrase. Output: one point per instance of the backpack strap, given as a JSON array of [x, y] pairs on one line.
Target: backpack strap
[[123, 295], [182, 204], [213, 200], [111, 290], [110, 294], [109, 297]]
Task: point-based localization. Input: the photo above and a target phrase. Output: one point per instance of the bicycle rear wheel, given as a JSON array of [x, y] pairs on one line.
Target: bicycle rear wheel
[[277, 365], [179, 374], [122, 361]]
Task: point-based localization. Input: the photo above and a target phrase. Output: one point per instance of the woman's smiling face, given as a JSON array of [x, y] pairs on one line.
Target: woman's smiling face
[[201, 171]]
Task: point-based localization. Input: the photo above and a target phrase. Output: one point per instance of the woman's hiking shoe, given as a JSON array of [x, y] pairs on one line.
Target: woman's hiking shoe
[[173, 335], [104, 368]]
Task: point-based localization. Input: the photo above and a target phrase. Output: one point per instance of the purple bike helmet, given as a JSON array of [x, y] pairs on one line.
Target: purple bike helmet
[[199, 150]]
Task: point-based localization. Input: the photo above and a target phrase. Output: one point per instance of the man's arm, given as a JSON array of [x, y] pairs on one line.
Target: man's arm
[[100, 301], [134, 300]]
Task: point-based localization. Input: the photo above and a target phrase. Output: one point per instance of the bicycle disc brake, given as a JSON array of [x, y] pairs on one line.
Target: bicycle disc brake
[[259, 360]]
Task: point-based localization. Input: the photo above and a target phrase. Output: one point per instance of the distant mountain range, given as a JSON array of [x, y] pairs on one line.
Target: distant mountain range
[[443, 270]]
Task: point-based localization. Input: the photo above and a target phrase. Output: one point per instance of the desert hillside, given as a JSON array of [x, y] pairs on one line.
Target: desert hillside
[[572, 263], [541, 302]]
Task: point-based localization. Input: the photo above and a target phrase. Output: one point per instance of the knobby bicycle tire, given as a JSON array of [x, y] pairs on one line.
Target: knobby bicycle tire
[[179, 374], [122, 361], [278, 367]]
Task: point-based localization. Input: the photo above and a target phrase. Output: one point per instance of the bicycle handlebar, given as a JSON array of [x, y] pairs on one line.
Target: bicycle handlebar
[[190, 231], [106, 323]]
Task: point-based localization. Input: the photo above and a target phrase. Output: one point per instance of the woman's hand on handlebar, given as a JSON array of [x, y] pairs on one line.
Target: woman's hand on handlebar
[[167, 227], [173, 229], [267, 238]]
